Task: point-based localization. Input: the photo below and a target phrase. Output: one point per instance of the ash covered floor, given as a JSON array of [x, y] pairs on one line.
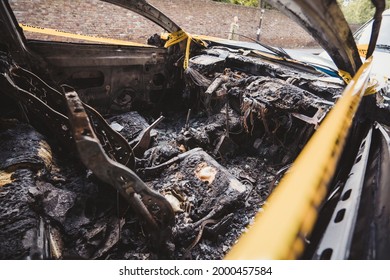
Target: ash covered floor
[[49, 192]]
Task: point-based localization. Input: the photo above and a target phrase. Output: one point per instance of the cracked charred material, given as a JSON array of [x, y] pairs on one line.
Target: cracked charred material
[[266, 96], [279, 95], [83, 222], [217, 59], [25, 157], [107, 230], [208, 135], [270, 89], [31, 151], [45, 107], [132, 124], [145, 138], [225, 146], [18, 224], [219, 228], [153, 208], [160, 154], [267, 106], [327, 88], [156, 170], [202, 182], [207, 63]]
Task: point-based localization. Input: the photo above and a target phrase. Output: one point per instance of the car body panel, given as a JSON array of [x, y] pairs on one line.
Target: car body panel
[[325, 22]]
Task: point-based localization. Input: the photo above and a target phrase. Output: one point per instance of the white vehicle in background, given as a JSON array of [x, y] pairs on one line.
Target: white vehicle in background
[[382, 51], [362, 37]]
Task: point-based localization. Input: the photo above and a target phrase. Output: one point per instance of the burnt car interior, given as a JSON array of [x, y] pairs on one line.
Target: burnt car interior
[[168, 151]]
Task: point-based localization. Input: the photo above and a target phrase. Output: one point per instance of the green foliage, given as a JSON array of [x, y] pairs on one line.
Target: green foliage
[[252, 3], [358, 11]]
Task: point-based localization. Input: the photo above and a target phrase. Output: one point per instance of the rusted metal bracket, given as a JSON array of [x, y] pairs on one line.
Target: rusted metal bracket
[[153, 208]]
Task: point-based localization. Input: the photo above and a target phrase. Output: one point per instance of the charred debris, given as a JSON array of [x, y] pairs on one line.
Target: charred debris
[[184, 188]]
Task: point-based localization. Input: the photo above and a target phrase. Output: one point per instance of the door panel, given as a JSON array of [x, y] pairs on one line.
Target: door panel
[[109, 78]]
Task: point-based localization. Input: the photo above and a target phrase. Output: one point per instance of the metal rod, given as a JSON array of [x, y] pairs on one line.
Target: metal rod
[[187, 126], [262, 10]]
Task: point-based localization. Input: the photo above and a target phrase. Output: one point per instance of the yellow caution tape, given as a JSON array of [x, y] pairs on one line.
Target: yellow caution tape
[[179, 36], [289, 215], [187, 54], [60, 33], [175, 37]]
